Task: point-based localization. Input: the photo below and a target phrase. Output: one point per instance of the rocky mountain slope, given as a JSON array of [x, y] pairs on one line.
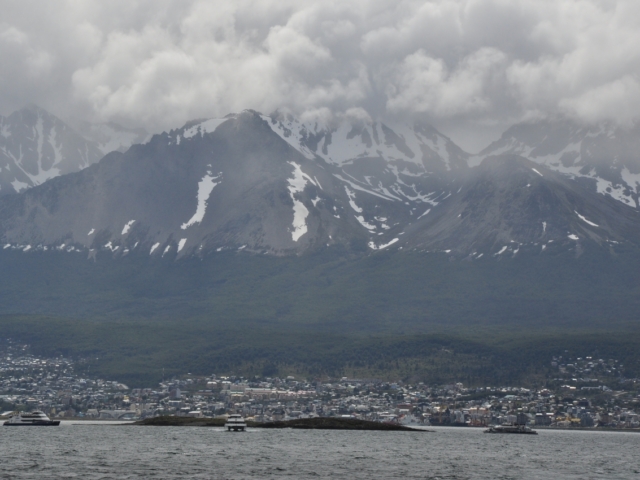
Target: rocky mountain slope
[[510, 204], [272, 184], [236, 182], [371, 238]]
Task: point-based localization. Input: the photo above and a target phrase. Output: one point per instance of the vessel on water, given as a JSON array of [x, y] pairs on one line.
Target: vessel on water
[[235, 423], [511, 428], [32, 419]]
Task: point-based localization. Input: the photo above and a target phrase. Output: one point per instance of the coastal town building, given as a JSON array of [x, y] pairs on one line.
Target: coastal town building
[[579, 393]]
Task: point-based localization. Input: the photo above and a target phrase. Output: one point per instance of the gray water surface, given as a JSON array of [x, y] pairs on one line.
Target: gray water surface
[[124, 452]]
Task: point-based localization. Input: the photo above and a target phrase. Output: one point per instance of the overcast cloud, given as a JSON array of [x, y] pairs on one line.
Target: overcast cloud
[[467, 65]]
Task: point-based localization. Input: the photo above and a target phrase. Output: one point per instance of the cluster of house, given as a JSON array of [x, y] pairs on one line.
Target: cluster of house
[[50, 385]]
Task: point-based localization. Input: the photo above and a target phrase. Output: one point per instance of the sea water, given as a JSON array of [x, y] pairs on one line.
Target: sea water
[[102, 451]]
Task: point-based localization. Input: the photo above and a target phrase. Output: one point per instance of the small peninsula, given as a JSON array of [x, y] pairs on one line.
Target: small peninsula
[[318, 423]]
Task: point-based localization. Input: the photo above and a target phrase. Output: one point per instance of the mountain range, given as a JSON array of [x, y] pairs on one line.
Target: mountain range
[[240, 230], [275, 185]]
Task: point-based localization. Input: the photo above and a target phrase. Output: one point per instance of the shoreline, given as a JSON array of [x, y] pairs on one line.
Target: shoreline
[[308, 423], [318, 423]]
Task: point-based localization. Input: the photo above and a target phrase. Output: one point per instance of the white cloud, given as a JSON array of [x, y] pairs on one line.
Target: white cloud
[[159, 63], [424, 84]]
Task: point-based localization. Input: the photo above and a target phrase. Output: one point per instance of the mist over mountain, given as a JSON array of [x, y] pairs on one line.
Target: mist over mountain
[[603, 156], [245, 181], [110, 136], [36, 146], [510, 205], [276, 185]]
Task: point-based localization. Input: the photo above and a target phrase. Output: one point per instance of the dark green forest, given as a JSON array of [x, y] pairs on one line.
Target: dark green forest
[[423, 317]]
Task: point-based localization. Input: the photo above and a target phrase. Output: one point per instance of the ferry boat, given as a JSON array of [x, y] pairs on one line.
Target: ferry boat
[[235, 423], [35, 418], [511, 428]]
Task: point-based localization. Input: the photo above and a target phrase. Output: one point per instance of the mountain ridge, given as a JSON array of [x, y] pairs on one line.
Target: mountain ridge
[[603, 156], [274, 185], [512, 204]]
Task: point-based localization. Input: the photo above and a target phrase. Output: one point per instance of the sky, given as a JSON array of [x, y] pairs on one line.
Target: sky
[[469, 67]]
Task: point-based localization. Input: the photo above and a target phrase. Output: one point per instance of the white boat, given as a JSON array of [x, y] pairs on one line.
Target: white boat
[[511, 428], [235, 423], [32, 419]]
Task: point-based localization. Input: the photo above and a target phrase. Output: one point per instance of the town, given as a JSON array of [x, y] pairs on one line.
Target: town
[[581, 392]]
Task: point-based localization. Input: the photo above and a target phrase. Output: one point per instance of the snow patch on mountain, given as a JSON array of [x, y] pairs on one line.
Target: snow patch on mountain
[[418, 197], [425, 213], [364, 223], [617, 192], [347, 141], [362, 189], [208, 126], [585, 220], [631, 179], [373, 246], [205, 187], [127, 227], [19, 186], [297, 184], [352, 198], [502, 250]]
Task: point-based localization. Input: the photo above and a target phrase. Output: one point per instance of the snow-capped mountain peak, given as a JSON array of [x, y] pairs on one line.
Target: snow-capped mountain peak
[[36, 146], [246, 182], [604, 156], [422, 146]]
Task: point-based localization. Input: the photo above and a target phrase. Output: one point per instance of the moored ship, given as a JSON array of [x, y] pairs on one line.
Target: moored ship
[[235, 423], [32, 419], [511, 428]]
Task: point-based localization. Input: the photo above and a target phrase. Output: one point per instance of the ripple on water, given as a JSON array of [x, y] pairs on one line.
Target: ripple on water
[[98, 452]]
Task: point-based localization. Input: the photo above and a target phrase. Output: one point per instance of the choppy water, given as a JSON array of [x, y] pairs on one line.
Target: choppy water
[[123, 452]]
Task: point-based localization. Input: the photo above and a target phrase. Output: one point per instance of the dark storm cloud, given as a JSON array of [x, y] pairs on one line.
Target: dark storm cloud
[[158, 63]]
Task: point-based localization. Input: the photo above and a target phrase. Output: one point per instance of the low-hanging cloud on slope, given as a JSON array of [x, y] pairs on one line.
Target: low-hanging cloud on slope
[[158, 63]]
